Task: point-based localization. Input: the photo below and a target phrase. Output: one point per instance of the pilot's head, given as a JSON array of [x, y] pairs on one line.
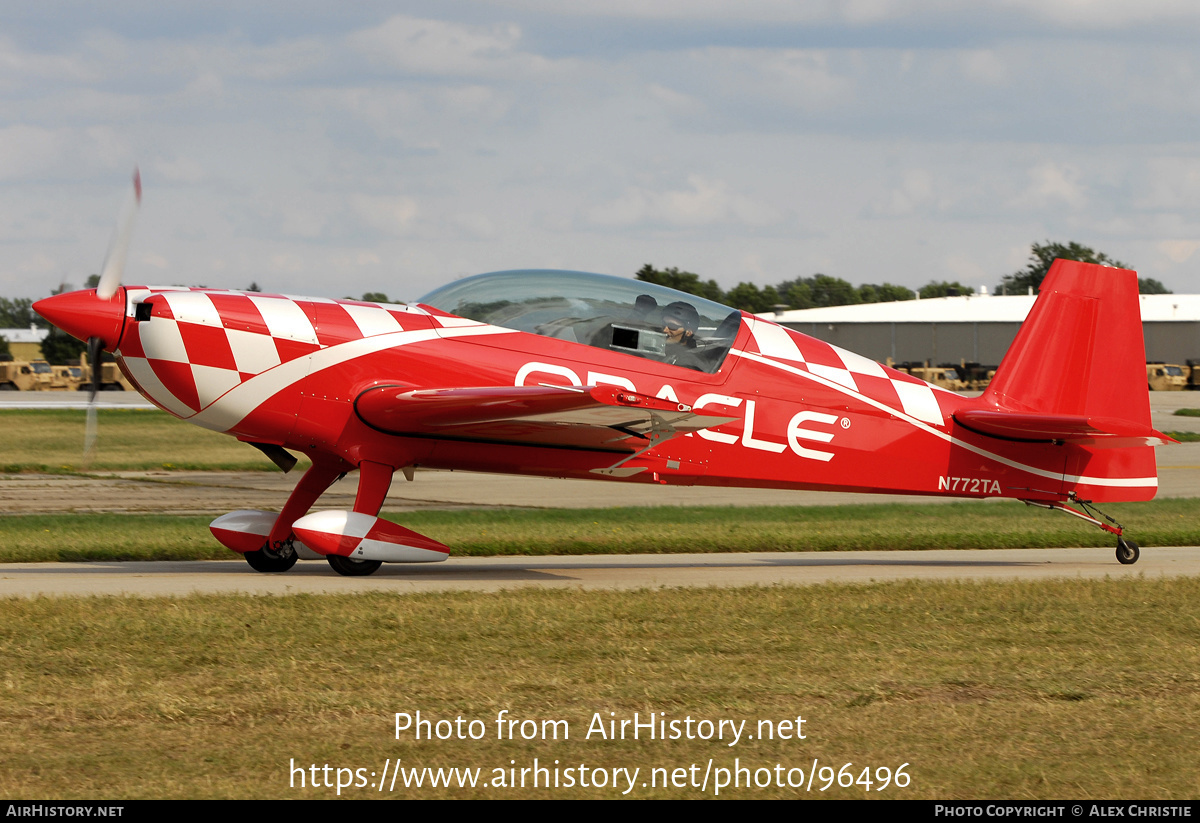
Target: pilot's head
[[680, 321]]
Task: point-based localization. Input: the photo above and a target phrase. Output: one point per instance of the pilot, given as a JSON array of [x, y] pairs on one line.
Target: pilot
[[680, 321]]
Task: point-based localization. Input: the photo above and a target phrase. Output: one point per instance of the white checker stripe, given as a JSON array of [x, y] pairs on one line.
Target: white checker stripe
[[212, 382], [774, 341], [858, 364], [139, 367], [840, 376], [161, 340], [918, 401], [194, 307], [285, 319], [372, 320], [254, 353]]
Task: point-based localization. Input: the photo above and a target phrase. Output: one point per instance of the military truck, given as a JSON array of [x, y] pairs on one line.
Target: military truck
[[111, 377], [32, 375], [944, 376], [1167, 376], [976, 376]]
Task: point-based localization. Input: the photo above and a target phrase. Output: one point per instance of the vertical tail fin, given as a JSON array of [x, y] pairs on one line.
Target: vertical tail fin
[[1075, 380], [1080, 352]]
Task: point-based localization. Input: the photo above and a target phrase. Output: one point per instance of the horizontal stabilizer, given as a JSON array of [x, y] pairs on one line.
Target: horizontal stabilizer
[[1092, 431]]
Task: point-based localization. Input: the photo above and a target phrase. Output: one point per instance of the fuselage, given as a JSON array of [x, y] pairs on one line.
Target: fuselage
[[286, 371]]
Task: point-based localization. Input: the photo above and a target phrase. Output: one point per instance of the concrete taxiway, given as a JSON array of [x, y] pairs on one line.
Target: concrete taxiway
[[159, 579]]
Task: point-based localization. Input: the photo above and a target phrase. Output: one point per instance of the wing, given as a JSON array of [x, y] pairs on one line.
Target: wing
[[599, 418]]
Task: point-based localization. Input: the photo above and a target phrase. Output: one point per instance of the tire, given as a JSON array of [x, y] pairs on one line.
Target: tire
[[112, 387], [7, 387], [1127, 552], [352, 568], [260, 561]]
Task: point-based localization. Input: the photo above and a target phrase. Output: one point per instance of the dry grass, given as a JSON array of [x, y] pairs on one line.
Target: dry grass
[[51, 440], [1072, 689]]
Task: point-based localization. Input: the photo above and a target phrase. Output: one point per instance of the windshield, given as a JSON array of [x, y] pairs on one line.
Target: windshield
[[628, 316]]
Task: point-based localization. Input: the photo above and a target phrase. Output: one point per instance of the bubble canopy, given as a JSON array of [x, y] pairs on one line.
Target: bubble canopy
[[614, 313]]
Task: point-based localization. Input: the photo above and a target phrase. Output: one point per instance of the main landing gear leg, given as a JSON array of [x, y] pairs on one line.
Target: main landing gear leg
[[1127, 551], [278, 554], [374, 480]]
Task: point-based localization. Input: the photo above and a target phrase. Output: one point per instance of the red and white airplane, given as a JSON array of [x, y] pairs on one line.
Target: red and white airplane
[[564, 374]]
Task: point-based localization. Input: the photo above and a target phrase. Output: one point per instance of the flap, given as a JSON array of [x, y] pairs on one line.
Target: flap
[[606, 418]]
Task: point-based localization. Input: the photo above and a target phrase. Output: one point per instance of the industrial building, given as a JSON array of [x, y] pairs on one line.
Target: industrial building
[[25, 344], [977, 328]]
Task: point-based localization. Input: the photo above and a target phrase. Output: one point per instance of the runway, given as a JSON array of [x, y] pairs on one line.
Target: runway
[[492, 574]]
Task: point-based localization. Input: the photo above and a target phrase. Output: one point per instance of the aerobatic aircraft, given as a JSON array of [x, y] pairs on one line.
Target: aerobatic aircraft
[[566, 374]]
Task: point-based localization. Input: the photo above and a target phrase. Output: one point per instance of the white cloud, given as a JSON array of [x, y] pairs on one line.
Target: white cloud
[[702, 203], [390, 215], [1179, 251], [1053, 185], [437, 47]]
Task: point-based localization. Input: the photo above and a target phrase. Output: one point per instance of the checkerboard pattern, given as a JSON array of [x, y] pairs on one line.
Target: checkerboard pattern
[[200, 343], [894, 389]]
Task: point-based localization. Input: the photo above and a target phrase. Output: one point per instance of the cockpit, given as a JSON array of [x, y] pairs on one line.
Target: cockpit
[[628, 316]]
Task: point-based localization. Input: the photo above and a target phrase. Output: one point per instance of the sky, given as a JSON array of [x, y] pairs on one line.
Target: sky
[[333, 150]]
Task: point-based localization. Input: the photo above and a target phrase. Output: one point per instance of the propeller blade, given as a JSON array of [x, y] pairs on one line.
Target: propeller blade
[[94, 346], [114, 261], [89, 437]]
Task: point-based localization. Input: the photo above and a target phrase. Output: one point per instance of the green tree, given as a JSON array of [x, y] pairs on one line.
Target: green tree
[[253, 287], [5, 352], [61, 349], [884, 293], [375, 297], [1041, 255], [797, 294], [684, 281], [748, 297], [19, 314], [832, 291], [944, 289], [1148, 285]]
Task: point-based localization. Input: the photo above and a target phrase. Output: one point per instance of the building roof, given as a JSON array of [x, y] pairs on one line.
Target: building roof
[[975, 308], [30, 335]]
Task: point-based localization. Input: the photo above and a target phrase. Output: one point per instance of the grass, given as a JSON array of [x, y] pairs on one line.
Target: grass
[[1051, 690], [1187, 412], [479, 532], [51, 440]]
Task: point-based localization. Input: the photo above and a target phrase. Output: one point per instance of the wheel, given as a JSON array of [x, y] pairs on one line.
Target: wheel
[[265, 560], [7, 387], [352, 568], [112, 387], [1127, 552]]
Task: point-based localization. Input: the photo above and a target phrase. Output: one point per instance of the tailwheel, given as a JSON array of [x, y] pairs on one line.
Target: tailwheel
[[272, 560], [352, 568], [1127, 552]]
